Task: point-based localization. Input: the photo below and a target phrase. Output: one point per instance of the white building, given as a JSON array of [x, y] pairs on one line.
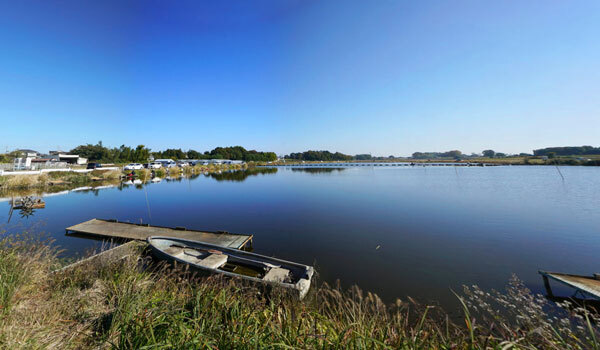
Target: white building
[[67, 158]]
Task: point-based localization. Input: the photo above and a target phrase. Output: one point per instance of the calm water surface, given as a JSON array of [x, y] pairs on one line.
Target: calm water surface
[[417, 231]]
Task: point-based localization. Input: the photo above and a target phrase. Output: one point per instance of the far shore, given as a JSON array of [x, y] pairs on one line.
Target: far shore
[[533, 160], [71, 178]]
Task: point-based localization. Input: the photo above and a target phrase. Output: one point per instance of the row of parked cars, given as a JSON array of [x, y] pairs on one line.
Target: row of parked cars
[[166, 163], [163, 163]]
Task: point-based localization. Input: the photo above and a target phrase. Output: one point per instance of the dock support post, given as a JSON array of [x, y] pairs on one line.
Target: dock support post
[[547, 285]]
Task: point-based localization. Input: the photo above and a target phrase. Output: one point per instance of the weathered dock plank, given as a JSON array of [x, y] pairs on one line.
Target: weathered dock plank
[[589, 285], [108, 255], [128, 231]]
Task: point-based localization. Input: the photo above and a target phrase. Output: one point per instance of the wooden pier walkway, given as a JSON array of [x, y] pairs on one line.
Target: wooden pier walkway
[[129, 231], [588, 285], [106, 256]]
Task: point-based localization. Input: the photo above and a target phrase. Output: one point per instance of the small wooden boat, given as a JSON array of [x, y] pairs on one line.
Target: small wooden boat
[[214, 259]]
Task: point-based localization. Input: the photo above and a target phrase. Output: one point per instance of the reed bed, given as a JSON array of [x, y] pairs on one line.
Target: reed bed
[[42, 180], [23, 181], [119, 305], [174, 170], [144, 174]]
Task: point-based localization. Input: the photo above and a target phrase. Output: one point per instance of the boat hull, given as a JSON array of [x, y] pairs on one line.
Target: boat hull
[[299, 285]]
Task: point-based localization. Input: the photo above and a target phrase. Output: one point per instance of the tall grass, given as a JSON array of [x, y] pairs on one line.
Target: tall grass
[[116, 304], [41, 180], [160, 172], [23, 181], [144, 174]]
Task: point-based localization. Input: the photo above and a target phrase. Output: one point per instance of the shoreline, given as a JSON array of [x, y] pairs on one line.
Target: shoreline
[[464, 162], [74, 178], [116, 303]]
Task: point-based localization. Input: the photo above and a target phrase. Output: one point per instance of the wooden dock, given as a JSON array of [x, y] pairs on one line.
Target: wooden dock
[[129, 231], [587, 285], [106, 256]]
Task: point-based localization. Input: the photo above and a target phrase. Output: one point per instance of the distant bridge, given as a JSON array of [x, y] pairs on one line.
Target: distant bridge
[[384, 164]]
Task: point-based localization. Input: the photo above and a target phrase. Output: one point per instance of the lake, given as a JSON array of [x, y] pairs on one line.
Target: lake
[[396, 231]]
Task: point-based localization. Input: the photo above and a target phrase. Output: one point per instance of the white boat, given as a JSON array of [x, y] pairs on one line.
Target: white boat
[[214, 259]]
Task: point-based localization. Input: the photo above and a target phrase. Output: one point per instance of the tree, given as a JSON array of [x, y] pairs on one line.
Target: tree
[[92, 152], [363, 157], [191, 154], [551, 155], [426, 155], [141, 154], [567, 151], [488, 153], [319, 155], [125, 154], [452, 154]]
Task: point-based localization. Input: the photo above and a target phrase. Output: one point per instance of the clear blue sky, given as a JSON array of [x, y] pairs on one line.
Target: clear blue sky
[[380, 77]]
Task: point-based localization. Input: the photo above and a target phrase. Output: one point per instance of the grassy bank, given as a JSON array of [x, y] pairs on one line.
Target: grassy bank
[[118, 305], [63, 178], [57, 178]]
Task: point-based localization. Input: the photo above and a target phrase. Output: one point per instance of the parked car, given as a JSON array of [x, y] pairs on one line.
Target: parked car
[[94, 165], [182, 164], [167, 163], [153, 165], [133, 166]]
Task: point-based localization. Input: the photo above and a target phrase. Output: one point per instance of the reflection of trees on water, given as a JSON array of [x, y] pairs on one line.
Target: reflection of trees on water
[[241, 175], [318, 170], [232, 175]]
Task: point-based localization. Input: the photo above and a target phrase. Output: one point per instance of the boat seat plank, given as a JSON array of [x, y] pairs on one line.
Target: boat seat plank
[[277, 274], [213, 261], [173, 250]]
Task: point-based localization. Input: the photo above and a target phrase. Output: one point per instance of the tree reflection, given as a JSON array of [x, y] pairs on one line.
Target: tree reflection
[[241, 175], [318, 170]]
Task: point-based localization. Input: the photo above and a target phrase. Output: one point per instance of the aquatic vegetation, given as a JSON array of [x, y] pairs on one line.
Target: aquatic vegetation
[[117, 304], [144, 174], [160, 172]]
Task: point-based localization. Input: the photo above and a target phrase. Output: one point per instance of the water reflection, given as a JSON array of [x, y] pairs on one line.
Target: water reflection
[[241, 175], [318, 170], [26, 206], [378, 227], [27, 195], [7, 195]]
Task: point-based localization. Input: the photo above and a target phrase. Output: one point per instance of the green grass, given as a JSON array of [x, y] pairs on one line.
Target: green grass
[[118, 305]]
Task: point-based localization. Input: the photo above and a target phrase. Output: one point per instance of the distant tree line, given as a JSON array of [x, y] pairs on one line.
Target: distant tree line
[[319, 155], [240, 153], [363, 157], [141, 154], [567, 151], [123, 154], [433, 155]]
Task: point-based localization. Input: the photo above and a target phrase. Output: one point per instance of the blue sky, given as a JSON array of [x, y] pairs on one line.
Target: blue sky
[[380, 77]]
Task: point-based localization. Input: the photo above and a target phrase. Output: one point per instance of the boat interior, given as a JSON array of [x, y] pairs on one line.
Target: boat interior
[[216, 259]]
